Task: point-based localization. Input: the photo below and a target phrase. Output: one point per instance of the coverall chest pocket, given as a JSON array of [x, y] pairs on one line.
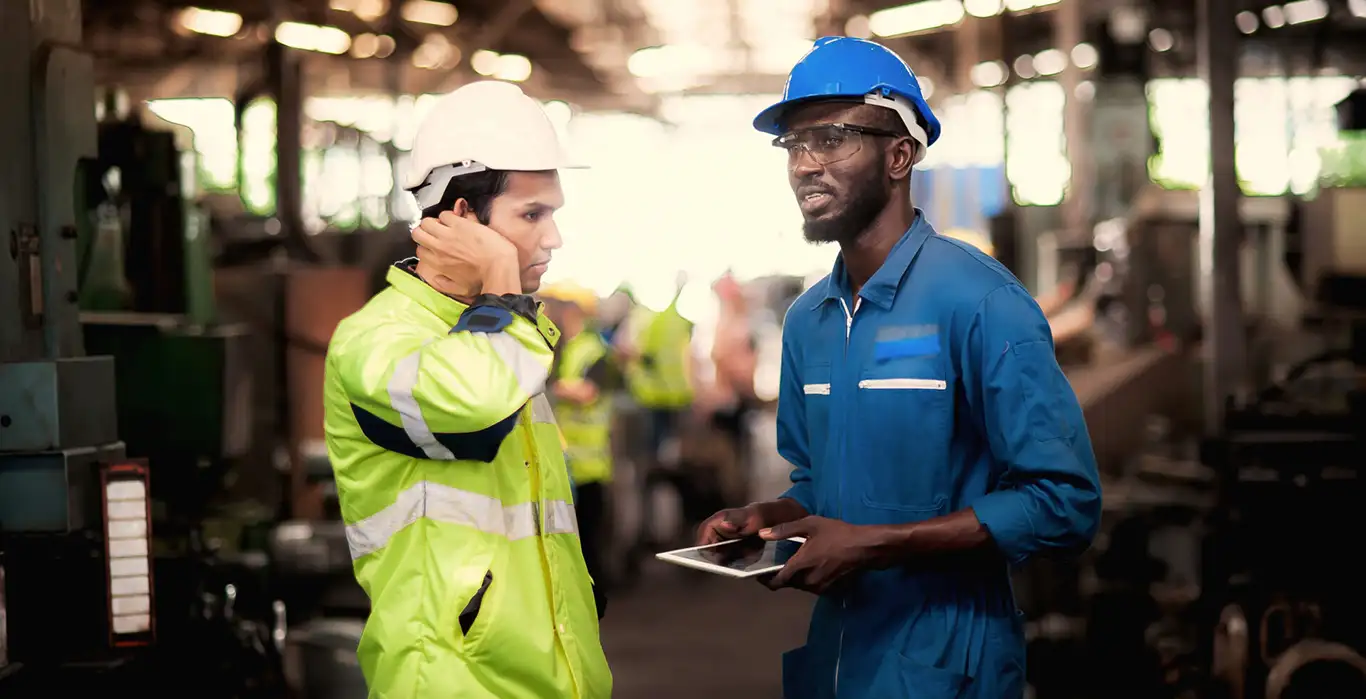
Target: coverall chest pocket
[[905, 411]]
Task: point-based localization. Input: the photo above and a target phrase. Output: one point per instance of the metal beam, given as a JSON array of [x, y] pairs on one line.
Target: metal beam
[[1220, 228]]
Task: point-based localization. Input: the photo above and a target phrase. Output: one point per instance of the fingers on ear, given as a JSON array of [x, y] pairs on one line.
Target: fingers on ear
[[449, 217]]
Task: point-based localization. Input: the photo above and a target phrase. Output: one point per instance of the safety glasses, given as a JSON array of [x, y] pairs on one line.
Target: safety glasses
[[827, 143]]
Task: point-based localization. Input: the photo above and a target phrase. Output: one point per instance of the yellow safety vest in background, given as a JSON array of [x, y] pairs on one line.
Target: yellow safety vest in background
[[587, 429], [457, 502], [659, 376]]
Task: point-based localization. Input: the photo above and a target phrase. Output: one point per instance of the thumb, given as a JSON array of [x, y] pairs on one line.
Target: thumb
[[785, 531]]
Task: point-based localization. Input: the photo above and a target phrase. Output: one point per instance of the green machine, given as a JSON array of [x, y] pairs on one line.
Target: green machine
[[147, 300]]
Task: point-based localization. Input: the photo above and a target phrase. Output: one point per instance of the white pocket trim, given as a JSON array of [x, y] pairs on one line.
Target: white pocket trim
[[816, 389], [904, 384]]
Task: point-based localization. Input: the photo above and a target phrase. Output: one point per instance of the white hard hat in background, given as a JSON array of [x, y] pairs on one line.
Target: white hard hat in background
[[483, 125]]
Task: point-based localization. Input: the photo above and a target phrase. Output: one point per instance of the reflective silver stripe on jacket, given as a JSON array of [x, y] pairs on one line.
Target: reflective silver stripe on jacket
[[442, 503], [525, 366], [541, 412]]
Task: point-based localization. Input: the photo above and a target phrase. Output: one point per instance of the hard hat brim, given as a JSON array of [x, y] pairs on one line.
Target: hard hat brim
[[769, 121]]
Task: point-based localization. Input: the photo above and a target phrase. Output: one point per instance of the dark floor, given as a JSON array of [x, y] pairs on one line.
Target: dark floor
[[682, 634]]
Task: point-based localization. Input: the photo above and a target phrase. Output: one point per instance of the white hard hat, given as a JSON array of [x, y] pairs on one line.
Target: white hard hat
[[484, 125]]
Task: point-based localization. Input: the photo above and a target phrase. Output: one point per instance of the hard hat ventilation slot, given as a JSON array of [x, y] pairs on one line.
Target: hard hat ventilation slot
[[431, 190]]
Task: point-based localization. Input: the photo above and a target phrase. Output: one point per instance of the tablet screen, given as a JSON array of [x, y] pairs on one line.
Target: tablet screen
[[743, 555]]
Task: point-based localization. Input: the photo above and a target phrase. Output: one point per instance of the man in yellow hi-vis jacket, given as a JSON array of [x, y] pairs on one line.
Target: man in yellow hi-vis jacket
[[453, 485]]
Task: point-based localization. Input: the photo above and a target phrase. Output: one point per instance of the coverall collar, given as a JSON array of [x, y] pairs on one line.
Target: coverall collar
[[882, 286], [402, 277]]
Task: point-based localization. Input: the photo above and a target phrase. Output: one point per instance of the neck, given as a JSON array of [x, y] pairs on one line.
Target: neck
[[864, 255]]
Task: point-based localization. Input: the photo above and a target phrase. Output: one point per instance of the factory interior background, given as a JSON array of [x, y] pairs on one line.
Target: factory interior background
[[194, 194]]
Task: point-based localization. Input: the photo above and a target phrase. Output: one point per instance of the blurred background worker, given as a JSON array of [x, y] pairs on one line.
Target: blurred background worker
[[659, 368], [734, 356], [448, 464], [582, 385]]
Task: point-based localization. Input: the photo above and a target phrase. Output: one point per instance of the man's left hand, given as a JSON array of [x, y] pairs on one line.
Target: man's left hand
[[833, 551]]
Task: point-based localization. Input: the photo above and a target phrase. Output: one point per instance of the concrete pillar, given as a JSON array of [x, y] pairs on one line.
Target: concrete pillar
[[1069, 30], [1220, 228]]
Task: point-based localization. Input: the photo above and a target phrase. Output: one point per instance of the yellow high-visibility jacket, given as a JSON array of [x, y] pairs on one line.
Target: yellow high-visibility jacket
[[587, 429], [457, 500]]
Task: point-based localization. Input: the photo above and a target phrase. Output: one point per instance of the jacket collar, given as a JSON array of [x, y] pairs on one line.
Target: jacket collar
[[882, 286], [403, 277]]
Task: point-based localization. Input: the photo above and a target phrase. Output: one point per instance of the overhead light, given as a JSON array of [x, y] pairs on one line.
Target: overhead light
[[312, 37], [365, 46], [370, 10], [386, 46], [513, 68], [211, 22], [1128, 24], [429, 12], [915, 17], [128, 554], [983, 8], [435, 52], [1161, 40], [1247, 21], [1302, 11], [926, 86], [1050, 62], [1274, 17], [484, 62], [988, 74], [1085, 56], [857, 27], [1357, 8]]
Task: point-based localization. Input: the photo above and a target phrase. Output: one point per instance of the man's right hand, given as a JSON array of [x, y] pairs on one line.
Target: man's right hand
[[461, 257], [740, 522], [735, 523]]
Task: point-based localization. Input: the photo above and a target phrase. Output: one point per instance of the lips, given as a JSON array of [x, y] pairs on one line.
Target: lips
[[813, 199]]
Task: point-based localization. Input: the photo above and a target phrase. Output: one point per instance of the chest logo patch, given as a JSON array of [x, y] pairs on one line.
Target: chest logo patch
[[902, 341]]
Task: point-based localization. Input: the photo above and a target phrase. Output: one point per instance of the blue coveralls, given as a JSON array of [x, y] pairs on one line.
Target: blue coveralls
[[937, 391]]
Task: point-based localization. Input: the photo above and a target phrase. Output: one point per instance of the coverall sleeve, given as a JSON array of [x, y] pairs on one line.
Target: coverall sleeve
[[792, 442], [452, 398], [1048, 497]]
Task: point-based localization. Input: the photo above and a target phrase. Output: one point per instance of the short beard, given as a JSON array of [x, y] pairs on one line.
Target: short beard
[[869, 199]]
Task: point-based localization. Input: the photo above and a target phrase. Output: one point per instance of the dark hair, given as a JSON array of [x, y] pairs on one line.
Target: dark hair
[[477, 188]]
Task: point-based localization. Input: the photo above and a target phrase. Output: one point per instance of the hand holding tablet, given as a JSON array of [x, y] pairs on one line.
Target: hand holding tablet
[[738, 558]]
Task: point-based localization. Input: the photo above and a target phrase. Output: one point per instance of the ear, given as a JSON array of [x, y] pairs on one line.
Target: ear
[[901, 158], [463, 210]]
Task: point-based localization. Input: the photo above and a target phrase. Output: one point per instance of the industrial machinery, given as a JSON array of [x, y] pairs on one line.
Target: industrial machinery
[[113, 580], [1282, 593]]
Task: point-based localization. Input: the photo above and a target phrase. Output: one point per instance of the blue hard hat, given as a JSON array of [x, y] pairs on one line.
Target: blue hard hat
[[841, 67]]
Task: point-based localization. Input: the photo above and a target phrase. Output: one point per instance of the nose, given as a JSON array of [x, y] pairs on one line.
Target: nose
[[551, 239], [803, 164]]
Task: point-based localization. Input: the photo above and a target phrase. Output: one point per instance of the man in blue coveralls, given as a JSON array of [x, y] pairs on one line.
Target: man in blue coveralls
[[933, 438]]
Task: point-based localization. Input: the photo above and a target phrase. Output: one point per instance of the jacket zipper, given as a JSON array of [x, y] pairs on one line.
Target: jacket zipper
[[526, 423], [848, 333]]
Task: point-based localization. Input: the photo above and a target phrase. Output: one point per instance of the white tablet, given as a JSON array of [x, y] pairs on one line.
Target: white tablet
[[740, 558]]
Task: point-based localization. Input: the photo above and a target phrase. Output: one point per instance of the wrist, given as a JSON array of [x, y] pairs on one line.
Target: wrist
[[885, 546], [501, 276]]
